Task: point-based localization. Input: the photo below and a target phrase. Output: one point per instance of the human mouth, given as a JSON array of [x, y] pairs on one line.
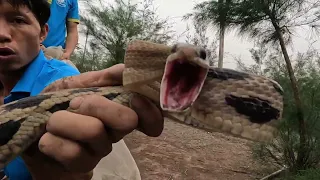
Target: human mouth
[[6, 53]]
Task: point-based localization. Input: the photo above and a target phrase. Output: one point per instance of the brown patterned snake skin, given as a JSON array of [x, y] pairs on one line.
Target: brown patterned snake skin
[[179, 78]]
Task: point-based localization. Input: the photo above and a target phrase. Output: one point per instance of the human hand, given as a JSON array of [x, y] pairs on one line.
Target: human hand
[[75, 142], [65, 56]]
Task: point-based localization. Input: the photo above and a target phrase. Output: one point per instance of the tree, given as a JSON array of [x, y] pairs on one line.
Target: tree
[[274, 22], [111, 27], [199, 38], [213, 13], [267, 61], [89, 60], [283, 149]]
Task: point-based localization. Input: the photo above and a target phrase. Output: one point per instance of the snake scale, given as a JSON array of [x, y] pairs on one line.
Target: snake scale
[[179, 78]]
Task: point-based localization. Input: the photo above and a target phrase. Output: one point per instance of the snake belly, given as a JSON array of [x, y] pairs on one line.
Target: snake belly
[[240, 104]]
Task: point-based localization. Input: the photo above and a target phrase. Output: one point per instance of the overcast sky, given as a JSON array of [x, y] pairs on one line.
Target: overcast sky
[[233, 44]]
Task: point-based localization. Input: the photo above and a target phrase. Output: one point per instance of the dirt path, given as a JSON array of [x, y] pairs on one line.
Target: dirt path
[[187, 153]]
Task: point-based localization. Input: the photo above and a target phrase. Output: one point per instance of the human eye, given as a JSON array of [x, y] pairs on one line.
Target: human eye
[[18, 20]]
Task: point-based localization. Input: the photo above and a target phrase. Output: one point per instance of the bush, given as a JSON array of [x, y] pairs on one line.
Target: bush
[[284, 149], [310, 174]]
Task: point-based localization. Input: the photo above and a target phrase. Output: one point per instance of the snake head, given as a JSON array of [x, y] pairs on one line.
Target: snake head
[[184, 75]]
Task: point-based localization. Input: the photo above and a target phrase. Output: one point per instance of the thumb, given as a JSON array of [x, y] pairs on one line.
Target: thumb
[[150, 116]]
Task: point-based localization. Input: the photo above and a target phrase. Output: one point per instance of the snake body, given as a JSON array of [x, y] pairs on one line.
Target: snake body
[[240, 104]]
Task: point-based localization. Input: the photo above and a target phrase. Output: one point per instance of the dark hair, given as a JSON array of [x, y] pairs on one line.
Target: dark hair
[[40, 8]]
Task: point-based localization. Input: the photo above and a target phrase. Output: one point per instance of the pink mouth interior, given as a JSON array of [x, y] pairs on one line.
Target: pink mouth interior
[[181, 84]]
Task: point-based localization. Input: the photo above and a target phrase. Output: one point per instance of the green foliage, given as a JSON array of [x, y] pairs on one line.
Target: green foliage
[[90, 61], [213, 12], [310, 174], [260, 19], [284, 149], [110, 28]]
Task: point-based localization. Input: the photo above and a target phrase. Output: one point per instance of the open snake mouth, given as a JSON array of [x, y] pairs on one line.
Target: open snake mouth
[[181, 84]]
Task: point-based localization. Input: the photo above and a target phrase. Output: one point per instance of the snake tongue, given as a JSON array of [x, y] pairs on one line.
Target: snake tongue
[[181, 85]]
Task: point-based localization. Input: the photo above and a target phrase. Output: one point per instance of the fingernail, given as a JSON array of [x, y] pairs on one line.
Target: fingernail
[[75, 103]]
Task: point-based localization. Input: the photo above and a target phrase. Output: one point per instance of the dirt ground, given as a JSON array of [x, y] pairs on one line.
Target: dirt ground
[[184, 152]]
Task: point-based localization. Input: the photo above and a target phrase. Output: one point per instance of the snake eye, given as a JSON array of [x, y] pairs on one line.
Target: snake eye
[[174, 48], [203, 54]]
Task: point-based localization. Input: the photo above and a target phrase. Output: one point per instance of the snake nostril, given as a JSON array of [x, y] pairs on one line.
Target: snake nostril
[[203, 54], [174, 48]]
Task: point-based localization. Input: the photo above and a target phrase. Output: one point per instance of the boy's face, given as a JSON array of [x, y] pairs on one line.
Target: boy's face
[[20, 37]]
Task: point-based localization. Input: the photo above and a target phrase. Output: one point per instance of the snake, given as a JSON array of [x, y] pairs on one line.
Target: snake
[[178, 79]]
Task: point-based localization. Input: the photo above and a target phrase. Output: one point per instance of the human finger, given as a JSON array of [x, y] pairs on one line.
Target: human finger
[[117, 119], [81, 128], [106, 77], [151, 121], [72, 155]]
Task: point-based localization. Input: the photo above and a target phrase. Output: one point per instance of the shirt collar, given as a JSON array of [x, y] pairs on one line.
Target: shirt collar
[[30, 75]]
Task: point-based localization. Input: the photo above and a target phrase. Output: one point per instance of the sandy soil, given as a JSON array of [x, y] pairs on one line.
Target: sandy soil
[[184, 152]]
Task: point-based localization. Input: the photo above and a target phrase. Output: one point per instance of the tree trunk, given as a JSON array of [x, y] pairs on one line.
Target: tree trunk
[[221, 46], [294, 84], [85, 46], [223, 14]]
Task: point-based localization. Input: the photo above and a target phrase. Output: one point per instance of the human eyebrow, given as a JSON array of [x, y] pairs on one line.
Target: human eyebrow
[[18, 13]]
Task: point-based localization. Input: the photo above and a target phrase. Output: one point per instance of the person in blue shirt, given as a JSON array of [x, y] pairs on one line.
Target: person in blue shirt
[[63, 28], [75, 141], [39, 74]]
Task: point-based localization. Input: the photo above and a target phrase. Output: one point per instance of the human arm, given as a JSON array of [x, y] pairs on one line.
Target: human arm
[[77, 141], [73, 20], [71, 39]]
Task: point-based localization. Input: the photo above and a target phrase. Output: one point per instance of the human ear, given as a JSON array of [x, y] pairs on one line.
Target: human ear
[[44, 32]]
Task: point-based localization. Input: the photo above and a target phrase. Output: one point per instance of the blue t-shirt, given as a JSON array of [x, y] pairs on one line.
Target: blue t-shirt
[[62, 11], [39, 74]]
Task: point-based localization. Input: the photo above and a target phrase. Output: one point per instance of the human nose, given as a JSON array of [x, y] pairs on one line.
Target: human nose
[[5, 35]]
